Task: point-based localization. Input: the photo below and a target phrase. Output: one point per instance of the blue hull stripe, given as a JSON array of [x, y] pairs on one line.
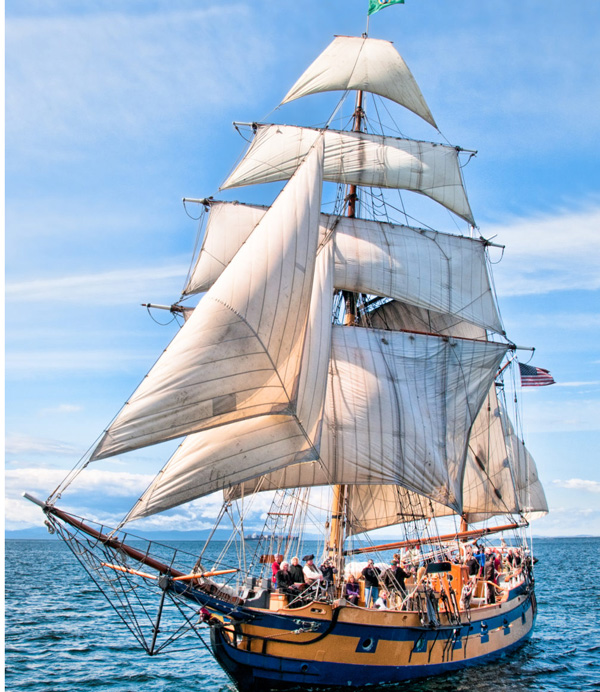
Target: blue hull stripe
[[249, 671], [272, 620]]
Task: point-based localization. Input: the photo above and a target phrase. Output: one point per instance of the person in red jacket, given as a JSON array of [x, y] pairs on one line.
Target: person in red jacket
[[276, 566]]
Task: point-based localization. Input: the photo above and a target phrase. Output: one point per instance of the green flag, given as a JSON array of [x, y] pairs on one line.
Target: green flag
[[376, 5]]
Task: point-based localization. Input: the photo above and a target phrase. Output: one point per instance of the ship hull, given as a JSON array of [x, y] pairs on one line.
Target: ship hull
[[358, 647]]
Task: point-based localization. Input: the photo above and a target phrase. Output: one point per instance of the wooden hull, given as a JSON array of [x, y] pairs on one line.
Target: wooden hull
[[324, 647]]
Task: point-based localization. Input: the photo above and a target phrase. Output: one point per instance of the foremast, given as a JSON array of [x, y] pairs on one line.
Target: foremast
[[340, 492]]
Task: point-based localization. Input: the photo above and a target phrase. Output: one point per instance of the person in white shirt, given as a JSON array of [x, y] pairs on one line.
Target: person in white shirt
[[311, 572], [382, 602]]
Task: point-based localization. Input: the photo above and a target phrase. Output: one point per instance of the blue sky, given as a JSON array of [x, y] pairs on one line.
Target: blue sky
[[116, 110]]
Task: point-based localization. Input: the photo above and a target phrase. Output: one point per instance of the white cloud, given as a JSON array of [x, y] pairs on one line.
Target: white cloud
[[61, 408], [119, 287], [579, 484], [23, 444], [40, 482], [104, 483], [27, 364], [21, 514], [550, 253], [569, 522]]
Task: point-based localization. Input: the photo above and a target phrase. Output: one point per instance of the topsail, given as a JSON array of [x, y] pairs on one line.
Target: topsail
[[424, 268], [357, 158]]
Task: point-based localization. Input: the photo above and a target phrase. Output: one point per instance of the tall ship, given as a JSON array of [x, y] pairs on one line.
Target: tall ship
[[347, 368]]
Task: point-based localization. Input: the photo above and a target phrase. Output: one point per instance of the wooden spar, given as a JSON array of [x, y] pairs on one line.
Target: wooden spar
[[185, 577], [198, 575], [119, 568], [113, 542], [336, 536], [358, 113], [473, 533]]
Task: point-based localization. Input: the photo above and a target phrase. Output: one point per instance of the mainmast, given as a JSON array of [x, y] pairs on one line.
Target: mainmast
[[340, 492]]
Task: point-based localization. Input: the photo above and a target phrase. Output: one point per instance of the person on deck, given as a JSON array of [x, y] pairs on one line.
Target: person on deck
[[394, 579], [480, 557], [382, 602], [518, 557], [371, 576], [352, 590], [284, 581], [472, 564], [296, 571], [497, 563], [276, 566], [489, 574], [328, 570], [311, 573]]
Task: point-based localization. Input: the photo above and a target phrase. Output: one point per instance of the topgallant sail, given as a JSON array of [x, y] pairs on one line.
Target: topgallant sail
[[349, 366]]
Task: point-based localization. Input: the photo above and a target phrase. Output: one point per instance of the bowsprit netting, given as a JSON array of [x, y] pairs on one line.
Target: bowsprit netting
[[155, 615]]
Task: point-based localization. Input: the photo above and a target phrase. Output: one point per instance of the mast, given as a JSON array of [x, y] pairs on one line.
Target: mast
[[340, 492]]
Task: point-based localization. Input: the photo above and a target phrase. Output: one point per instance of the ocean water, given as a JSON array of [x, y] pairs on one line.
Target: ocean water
[[63, 636]]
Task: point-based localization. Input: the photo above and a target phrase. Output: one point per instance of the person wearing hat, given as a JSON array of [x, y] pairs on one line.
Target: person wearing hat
[[311, 573]]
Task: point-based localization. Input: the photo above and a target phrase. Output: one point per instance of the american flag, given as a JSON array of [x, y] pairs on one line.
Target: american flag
[[534, 377]]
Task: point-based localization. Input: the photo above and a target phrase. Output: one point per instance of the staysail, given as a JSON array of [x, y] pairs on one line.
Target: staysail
[[239, 354], [357, 158], [368, 64], [225, 456]]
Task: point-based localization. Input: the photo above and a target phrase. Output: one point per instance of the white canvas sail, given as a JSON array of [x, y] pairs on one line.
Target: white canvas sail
[[398, 410], [252, 449], [239, 354], [366, 64], [432, 270], [357, 158], [530, 492], [376, 504], [228, 227], [500, 479], [396, 315]]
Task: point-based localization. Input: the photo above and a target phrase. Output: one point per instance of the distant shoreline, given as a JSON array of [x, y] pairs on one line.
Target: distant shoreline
[[41, 534]]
